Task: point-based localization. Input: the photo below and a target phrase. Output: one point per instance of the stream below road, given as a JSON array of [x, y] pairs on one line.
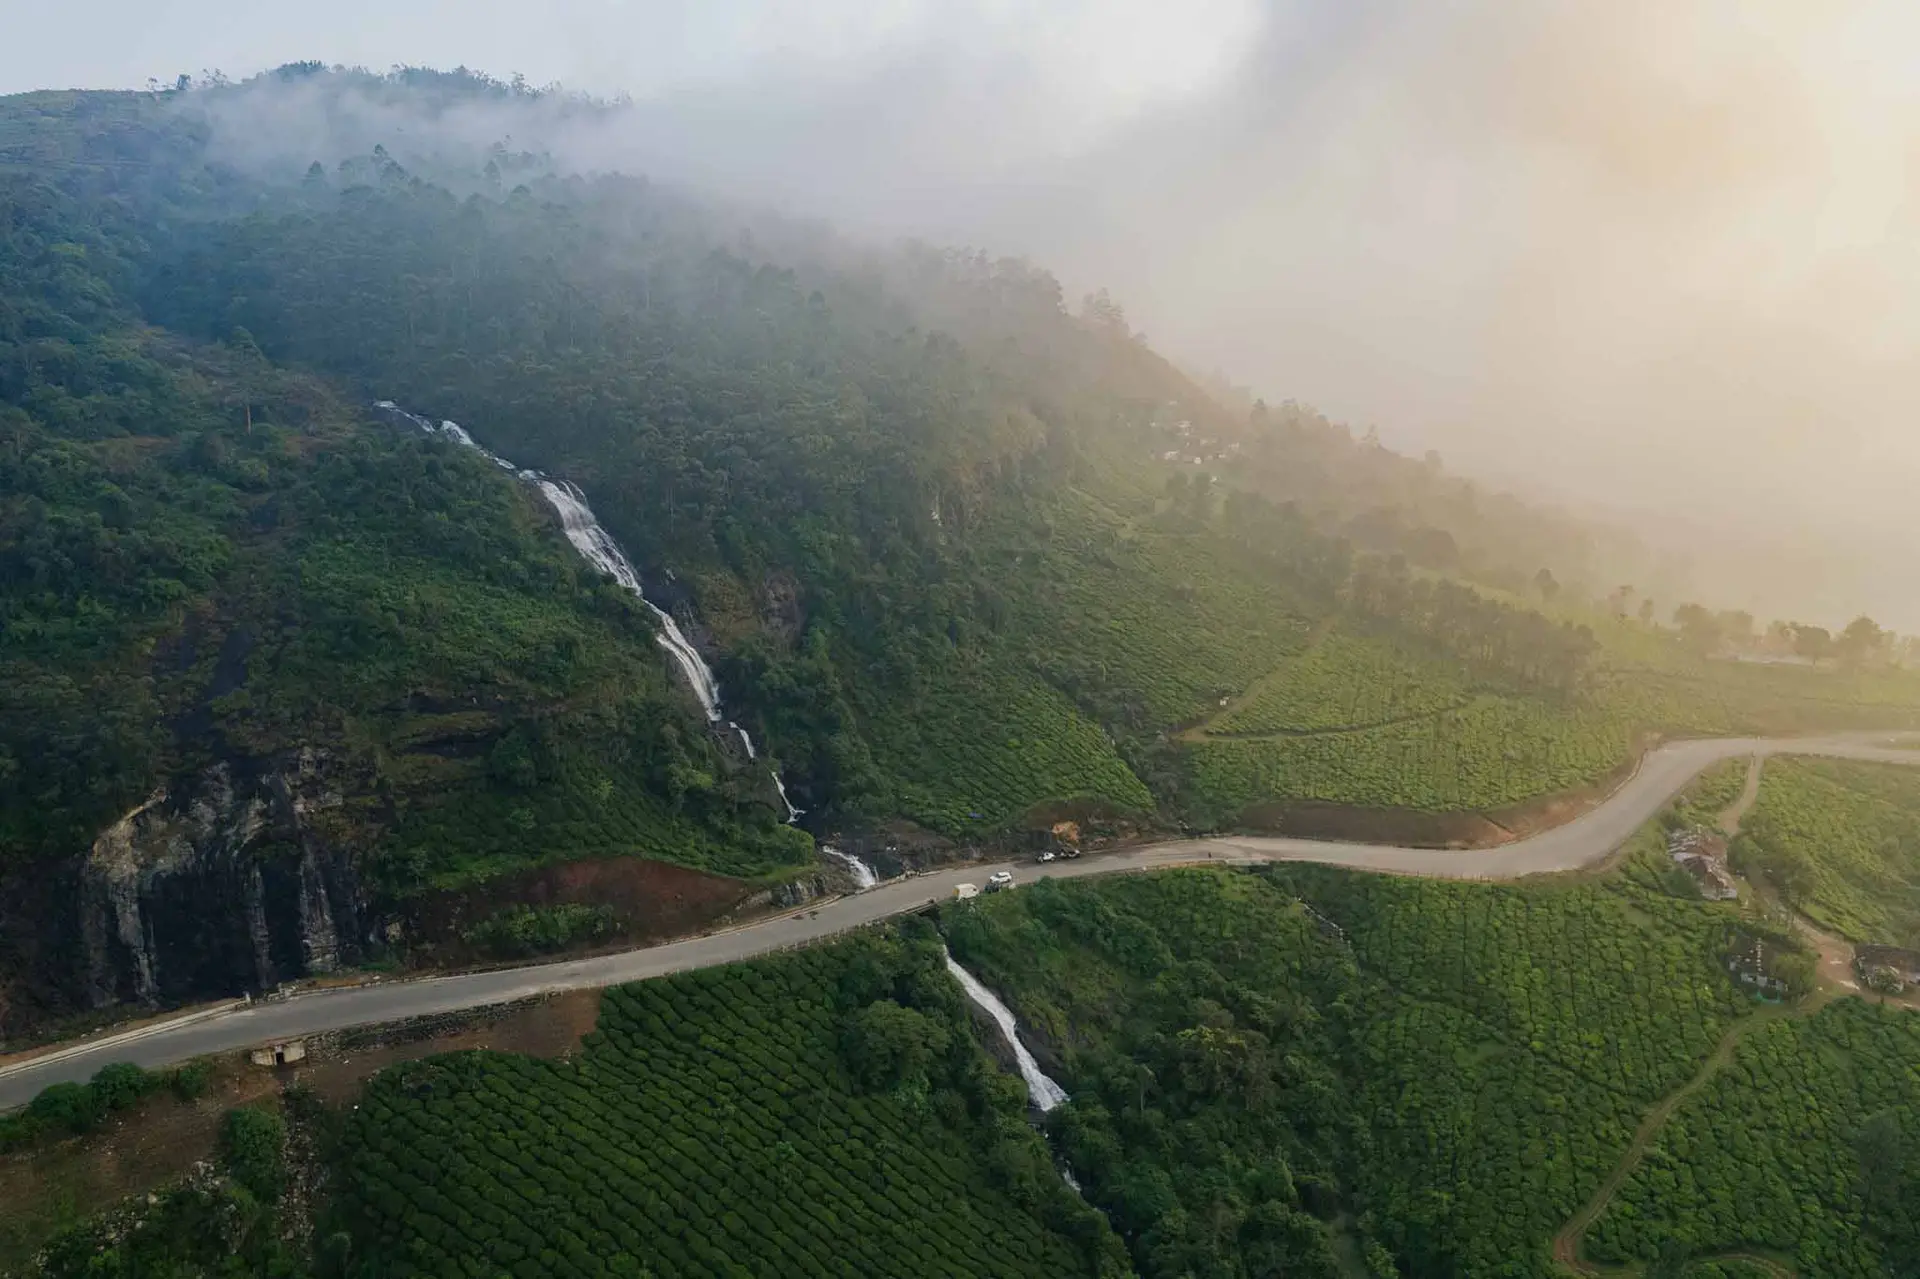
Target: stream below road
[[1042, 1091]]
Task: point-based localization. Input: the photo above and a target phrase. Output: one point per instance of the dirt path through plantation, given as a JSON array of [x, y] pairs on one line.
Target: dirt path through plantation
[[1835, 976], [1836, 969], [1566, 1244], [1203, 731], [1749, 796]]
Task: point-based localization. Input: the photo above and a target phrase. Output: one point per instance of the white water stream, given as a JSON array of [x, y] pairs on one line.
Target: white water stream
[[863, 876], [1042, 1091], [599, 549]]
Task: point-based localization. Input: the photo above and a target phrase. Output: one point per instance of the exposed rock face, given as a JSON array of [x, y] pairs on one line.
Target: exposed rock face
[[797, 892], [781, 609], [218, 884]]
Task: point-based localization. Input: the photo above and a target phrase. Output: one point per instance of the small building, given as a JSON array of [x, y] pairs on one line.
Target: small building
[[1702, 853], [280, 1054], [1752, 965], [1712, 878], [1697, 841], [1887, 967]]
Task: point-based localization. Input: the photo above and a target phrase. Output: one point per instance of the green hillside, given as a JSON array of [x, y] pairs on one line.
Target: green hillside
[[823, 1114], [1453, 1070], [1807, 1147], [960, 476], [1290, 1070], [961, 553], [1841, 842]]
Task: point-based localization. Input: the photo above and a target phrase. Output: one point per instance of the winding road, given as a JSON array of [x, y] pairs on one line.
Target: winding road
[[1586, 841]]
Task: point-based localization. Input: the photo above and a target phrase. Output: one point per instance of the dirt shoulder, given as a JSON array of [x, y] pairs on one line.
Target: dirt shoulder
[[160, 1142]]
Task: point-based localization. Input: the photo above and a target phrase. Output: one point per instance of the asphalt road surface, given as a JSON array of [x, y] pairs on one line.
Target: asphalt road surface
[[1585, 841]]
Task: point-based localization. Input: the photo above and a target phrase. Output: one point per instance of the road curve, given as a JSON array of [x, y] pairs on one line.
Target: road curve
[[1585, 841]]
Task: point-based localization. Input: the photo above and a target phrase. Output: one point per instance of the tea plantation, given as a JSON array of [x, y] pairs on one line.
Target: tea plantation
[[753, 1120]]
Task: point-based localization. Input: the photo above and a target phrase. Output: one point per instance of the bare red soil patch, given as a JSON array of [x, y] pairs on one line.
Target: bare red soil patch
[[652, 900]]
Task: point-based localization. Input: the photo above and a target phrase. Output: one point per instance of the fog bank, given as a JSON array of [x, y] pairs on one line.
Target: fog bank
[[1657, 260]]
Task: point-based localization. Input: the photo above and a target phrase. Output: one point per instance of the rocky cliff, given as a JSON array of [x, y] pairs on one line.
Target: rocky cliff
[[231, 879]]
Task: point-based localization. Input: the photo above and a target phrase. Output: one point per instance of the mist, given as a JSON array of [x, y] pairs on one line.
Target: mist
[[1654, 261]]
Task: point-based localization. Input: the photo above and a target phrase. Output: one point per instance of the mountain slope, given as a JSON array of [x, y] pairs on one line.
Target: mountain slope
[[268, 628], [948, 543]]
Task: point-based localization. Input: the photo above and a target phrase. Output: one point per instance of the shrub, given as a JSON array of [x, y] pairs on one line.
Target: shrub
[[120, 1085], [527, 930], [73, 1107], [190, 1082], [253, 1148]]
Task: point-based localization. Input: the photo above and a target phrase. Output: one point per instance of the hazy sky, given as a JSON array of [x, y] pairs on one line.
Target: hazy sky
[[1664, 252]]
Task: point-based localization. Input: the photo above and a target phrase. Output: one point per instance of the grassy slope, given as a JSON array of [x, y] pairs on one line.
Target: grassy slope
[[1843, 841]]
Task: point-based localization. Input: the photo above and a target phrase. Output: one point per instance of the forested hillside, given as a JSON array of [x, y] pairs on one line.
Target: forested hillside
[[313, 636], [962, 553], [1447, 1070]]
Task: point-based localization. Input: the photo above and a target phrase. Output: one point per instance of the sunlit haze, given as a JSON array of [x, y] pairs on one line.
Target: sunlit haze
[[1658, 261]]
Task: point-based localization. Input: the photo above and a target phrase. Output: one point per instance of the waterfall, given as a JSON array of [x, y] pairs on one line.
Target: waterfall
[[793, 814], [599, 549], [863, 876], [1043, 1092]]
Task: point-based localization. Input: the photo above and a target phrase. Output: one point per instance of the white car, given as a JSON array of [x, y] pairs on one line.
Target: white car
[[1046, 855], [998, 880]]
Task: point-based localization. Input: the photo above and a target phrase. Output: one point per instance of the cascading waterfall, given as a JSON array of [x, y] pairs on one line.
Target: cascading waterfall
[[863, 876], [593, 542], [599, 549], [1042, 1091], [780, 785]]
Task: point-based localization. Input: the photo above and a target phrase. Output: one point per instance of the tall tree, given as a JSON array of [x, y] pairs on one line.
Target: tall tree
[[1815, 643], [1862, 641]]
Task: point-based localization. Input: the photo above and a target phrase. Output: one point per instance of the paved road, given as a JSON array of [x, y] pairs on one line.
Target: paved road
[[1585, 841]]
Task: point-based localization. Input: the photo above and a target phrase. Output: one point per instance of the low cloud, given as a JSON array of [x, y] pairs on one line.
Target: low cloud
[[1657, 258]]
